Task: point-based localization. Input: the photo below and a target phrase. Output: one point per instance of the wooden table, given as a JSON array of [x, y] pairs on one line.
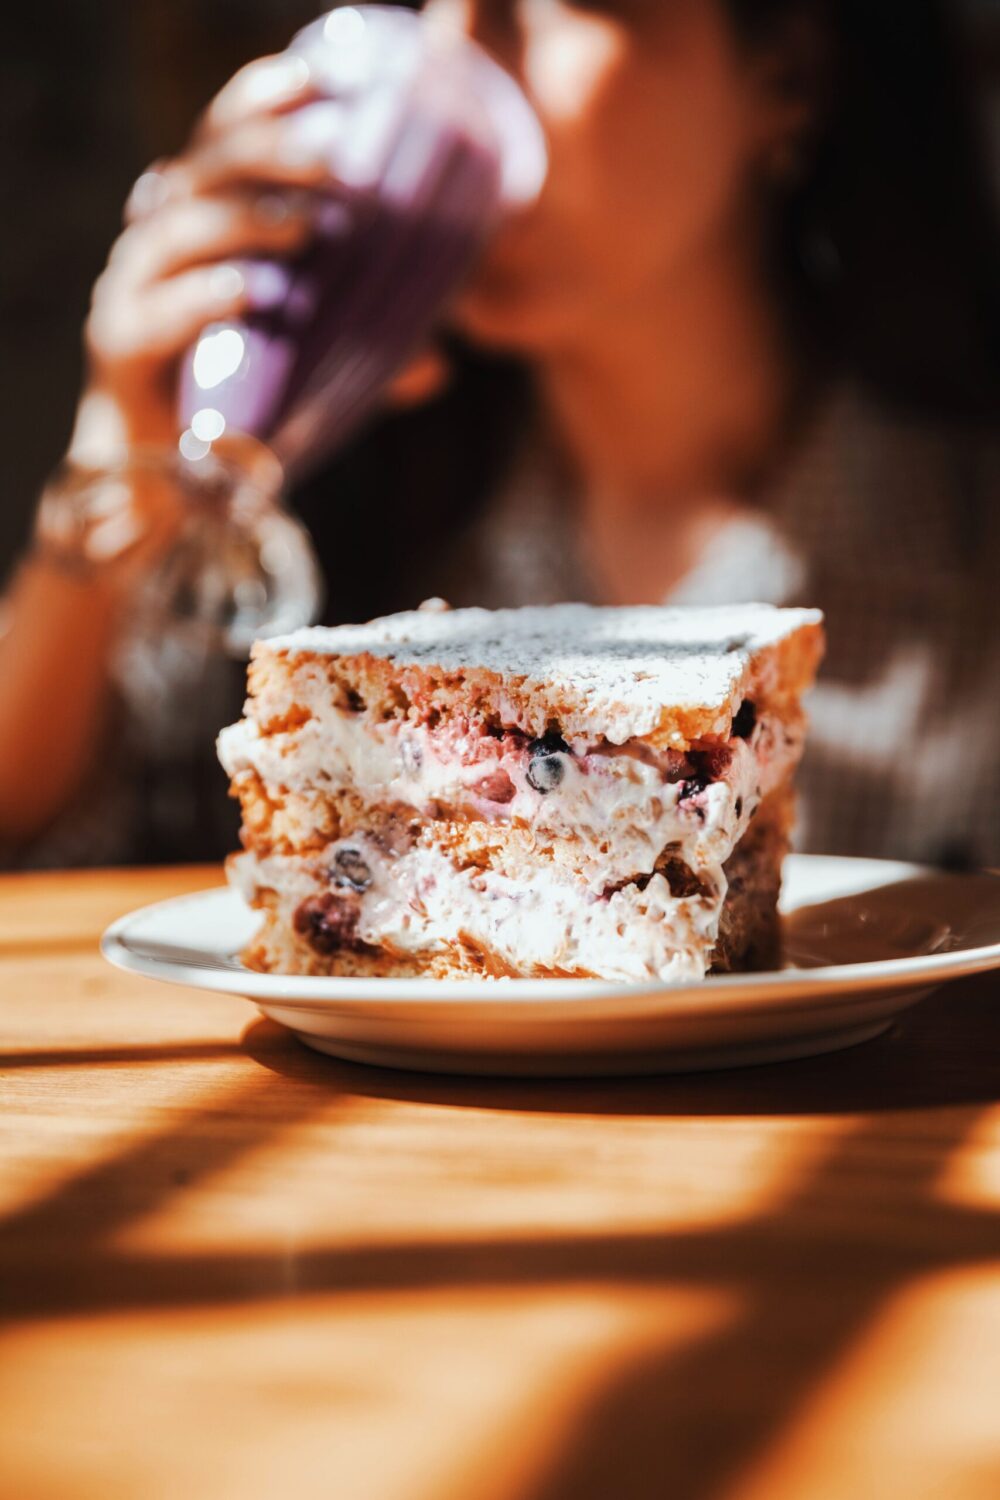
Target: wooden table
[[231, 1268]]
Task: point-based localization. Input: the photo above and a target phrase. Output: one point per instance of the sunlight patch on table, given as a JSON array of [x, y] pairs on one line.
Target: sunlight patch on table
[[80, 1121], [971, 1176], [374, 1397], [912, 1409], [406, 1170]]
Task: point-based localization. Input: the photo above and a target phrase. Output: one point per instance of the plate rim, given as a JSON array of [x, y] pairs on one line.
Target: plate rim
[[764, 989]]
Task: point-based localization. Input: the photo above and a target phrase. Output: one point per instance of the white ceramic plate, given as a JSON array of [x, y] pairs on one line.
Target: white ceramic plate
[[864, 939]]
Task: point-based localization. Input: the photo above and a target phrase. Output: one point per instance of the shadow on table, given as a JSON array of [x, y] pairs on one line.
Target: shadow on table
[[110, 1057], [806, 1280], [807, 1277], [946, 1051]]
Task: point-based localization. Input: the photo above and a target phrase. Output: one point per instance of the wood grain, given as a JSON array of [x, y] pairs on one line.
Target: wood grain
[[229, 1267]]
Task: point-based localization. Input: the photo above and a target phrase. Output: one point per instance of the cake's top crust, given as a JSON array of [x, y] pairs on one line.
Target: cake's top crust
[[637, 671]]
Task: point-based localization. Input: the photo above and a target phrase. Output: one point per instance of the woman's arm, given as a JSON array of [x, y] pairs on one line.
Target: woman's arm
[[239, 191], [56, 635]]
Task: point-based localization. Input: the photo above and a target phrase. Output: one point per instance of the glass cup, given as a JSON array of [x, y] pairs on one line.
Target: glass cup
[[435, 145]]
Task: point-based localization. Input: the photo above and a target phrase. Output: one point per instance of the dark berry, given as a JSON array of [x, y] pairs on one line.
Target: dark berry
[[328, 922], [545, 772], [745, 720], [349, 868], [496, 787], [546, 767]]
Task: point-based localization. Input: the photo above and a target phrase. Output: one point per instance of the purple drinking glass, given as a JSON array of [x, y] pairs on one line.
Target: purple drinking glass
[[438, 146]]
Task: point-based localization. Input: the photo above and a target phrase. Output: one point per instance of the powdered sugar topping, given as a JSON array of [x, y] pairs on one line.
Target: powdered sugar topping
[[627, 661]]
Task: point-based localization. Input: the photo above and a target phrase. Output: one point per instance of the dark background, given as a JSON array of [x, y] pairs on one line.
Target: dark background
[[90, 93]]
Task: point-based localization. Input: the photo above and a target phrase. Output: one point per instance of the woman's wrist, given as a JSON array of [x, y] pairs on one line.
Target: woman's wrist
[[86, 522], [108, 522]]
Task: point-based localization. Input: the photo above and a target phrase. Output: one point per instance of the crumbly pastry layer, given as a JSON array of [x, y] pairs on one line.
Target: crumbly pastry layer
[[402, 815], [669, 676]]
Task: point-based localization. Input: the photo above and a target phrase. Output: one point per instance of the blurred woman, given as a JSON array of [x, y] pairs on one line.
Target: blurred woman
[[744, 347]]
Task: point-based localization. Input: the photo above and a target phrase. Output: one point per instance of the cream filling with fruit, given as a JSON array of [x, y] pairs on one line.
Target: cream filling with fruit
[[419, 903], [618, 807]]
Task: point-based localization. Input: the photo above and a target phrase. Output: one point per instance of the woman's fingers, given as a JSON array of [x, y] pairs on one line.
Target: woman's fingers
[[231, 197], [159, 322], [263, 90], [192, 231], [246, 195], [149, 192], [267, 86], [295, 151]]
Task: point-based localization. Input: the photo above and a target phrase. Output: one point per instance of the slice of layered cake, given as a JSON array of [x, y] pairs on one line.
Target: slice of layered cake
[[563, 791]]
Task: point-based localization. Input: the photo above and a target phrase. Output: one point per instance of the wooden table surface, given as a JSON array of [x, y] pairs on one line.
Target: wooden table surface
[[229, 1267]]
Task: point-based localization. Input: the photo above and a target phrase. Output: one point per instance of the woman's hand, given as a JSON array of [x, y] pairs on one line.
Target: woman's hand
[[244, 188]]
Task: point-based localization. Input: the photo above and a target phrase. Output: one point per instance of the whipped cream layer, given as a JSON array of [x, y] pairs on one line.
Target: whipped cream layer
[[620, 806], [419, 904], [602, 907]]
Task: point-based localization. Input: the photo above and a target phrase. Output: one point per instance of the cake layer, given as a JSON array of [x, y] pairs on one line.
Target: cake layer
[[669, 676], [356, 909]]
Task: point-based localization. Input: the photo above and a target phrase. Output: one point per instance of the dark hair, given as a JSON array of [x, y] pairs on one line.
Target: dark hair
[[884, 254], [887, 249]]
